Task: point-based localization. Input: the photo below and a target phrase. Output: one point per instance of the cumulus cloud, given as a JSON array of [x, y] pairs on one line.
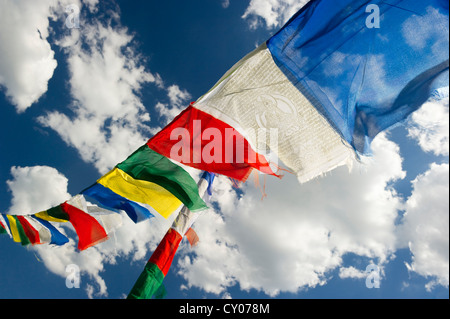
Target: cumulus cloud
[[27, 62], [178, 100], [273, 12], [352, 272], [91, 4], [425, 227], [300, 230], [430, 127], [177, 96], [109, 119], [36, 188]]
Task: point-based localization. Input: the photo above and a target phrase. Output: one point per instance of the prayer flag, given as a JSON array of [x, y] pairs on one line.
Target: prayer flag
[[157, 267]]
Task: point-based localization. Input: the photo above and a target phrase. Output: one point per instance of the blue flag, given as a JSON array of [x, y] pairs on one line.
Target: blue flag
[[365, 65]]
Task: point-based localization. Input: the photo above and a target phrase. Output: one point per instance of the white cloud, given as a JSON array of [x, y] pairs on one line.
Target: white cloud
[[352, 272], [27, 62], [273, 12], [430, 127], [109, 119], [293, 238], [107, 73], [91, 4], [177, 96], [36, 188], [425, 228], [179, 99]]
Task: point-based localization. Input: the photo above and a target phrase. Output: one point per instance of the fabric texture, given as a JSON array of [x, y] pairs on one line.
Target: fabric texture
[[148, 283], [199, 140]]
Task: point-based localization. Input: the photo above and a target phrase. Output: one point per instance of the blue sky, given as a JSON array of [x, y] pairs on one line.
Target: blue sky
[[76, 101]]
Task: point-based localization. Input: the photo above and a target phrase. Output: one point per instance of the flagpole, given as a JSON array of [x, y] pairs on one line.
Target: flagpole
[[157, 267]]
